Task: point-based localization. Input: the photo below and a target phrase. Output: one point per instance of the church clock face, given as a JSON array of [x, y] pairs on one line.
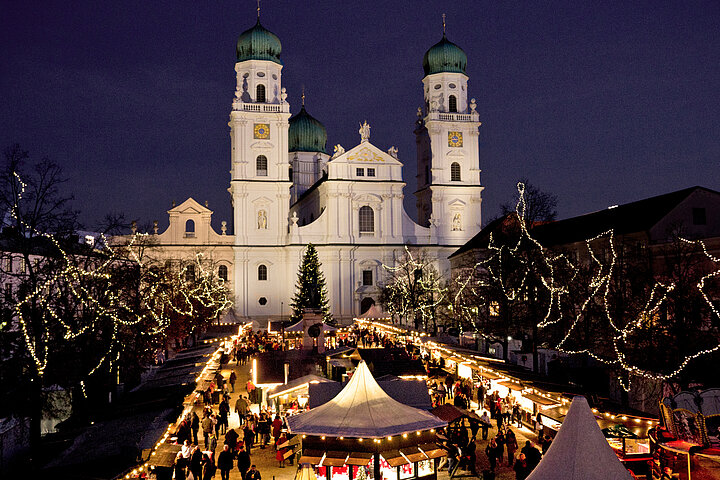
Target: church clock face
[[455, 139], [262, 131]]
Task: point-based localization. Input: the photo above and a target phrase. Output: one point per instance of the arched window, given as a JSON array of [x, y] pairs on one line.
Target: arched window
[[452, 103], [262, 272], [366, 220], [261, 166], [190, 228], [260, 93], [455, 172], [222, 272]]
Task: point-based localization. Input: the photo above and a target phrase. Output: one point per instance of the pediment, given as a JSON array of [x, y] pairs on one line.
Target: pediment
[[189, 207], [457, 203], [455, 152], [262, 145], [261, 201], [366, 153]]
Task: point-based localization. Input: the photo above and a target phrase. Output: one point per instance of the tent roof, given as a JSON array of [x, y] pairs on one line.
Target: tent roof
[[362, 409], [374, 312], [298, 327], [580, 450]]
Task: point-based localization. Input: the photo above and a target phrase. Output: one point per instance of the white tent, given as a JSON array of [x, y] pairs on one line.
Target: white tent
[[298, 327], [363, 410], [306, 472], [580, 450], [374, 312]]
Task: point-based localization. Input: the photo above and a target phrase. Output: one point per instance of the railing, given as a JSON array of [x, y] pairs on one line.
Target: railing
[[261, 107], [455, 117]]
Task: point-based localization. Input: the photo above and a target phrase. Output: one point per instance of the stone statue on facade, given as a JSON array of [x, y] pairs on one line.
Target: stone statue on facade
[[364, 132], [262, 220], [338, 150], [393, 151]]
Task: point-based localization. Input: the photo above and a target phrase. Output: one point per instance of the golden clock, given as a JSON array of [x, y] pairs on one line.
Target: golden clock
[[262, 131], [455, 139]]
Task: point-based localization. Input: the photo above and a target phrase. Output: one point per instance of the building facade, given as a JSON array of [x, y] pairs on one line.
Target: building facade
[[287, 191]]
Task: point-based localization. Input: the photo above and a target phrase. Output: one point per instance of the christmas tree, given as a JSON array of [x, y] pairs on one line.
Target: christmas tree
[[310, 291]]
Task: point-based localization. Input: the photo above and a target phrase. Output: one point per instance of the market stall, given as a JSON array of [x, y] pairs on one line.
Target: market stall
[[363, 433]]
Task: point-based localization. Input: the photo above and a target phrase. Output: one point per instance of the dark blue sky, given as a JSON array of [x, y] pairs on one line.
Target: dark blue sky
[[600, 103]]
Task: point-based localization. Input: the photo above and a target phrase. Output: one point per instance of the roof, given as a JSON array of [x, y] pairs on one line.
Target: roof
[[639, 216], [258, 43], [580, 450], [444, 56], [298, 382], [306, 133], [374, 312], [363, 409], [451, 413], [408, 392]]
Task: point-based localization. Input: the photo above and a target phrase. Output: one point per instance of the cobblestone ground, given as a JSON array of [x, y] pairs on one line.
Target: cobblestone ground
[[268, 466]]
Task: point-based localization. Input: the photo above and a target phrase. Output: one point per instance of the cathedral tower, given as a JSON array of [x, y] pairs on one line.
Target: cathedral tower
[[260, 183], [448, 173]]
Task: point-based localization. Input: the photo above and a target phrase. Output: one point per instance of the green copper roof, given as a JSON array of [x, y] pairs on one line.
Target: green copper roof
[[306, 134], [444, 56], [258, 43]]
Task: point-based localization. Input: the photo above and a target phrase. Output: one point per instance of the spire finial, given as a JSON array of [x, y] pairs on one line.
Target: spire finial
[[443, 17], [258, 9], [303, 95]]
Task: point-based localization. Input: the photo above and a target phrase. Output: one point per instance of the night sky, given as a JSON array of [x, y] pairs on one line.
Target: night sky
[[601, 103]]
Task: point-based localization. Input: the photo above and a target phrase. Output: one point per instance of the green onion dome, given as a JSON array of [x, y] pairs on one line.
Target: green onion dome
[[444, 56], [258, 43], [306, 134]]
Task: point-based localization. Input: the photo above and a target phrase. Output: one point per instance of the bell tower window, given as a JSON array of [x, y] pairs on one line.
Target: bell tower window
[[452, 103], [455, 172], [260, 93], [261, 166], [189, 229]]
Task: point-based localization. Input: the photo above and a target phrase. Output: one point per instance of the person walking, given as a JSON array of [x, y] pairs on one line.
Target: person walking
[[511, 446], [248, 436], [195, 426], [232, 380], [491, 452], [241, 408], [179, 467], [196, 463], [243, 461], [208, 467], [276, 429], [485, 425], [225, 463], [252, 474], [224, 411], [521, 468]]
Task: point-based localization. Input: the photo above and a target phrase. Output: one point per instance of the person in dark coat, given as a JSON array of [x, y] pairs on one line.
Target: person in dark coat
[[521, 468], [252, 474], [243, 462], [231, 439], [208, 467], [225, 463], [248, 436], [196, 463], [491, 452], [195, 426], [532, 455], [179, 467]]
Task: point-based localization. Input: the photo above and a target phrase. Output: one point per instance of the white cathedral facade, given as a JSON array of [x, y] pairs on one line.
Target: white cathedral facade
[[287, 191]]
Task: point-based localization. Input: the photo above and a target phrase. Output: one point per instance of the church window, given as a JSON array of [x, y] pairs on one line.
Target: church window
[[190, 228], [190, 273], [366, 219], [261, 166], [360, 172], [455, 172], [8, 261], [260, 90], [223, 273], [262, 301], [262, 272], [452, 103], [371, 172], [367, 277]]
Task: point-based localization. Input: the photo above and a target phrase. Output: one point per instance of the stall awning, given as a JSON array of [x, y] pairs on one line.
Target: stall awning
[[432, 450], [359, 458], [164, 456], [539, 400], [486, 373], [511, 385], [414, 454], [334, 459], [394, 458], [312, 457]]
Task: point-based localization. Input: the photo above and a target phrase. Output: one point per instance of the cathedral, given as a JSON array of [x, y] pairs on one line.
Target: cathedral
[[287, 190]]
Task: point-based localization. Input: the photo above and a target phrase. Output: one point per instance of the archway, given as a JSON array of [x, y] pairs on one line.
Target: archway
[[365, 304]]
